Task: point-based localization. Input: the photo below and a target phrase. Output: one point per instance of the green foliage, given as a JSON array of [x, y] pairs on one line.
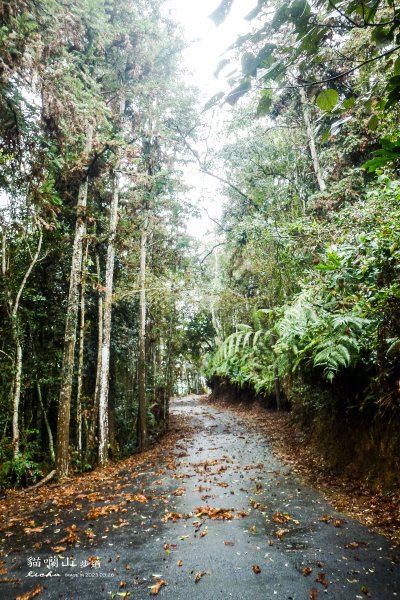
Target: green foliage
[[327, 100]]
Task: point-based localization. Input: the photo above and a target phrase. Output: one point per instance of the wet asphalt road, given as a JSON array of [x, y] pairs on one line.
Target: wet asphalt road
[[224, 465]]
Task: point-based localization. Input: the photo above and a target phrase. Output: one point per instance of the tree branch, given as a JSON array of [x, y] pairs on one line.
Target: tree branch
[[211, 251]]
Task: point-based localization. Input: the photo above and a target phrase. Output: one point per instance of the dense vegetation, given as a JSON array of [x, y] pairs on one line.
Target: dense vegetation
[[94, 253], [106, 309], [309, 315]]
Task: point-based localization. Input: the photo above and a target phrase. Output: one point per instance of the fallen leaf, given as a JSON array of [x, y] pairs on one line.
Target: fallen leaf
[[280, 533], [155, 589], [281, 518], [198, 576], [322, 579], [339, 522], [72, 536], [58, 549], [256, 569], [352, 545], [307, 571], [179, 563], [326, 518], [139, 498], [313, 594], [100, 511], [33, 529], [229, 543], [215, 513], [32, 594], [171, 516], [204, 533]]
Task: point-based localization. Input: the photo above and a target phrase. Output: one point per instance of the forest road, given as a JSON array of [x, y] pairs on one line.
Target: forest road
[[267, 541]]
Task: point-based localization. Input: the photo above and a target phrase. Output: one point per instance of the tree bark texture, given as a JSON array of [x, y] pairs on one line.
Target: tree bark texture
[[106, 334], [311, 140], [142, 342], [16, 334], [67, 371], [81, 353]]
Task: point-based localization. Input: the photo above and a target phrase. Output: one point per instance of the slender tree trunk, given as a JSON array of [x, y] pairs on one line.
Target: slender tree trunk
[[106, 334], [67, 372], [94, 416], [15, 327], [4, 251], [142, 342], [81, 353], [16, 393], [311, 140], [168, 371], [46, 421]]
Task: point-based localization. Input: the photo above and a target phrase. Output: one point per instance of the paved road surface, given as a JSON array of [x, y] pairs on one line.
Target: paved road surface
[[223, 466]]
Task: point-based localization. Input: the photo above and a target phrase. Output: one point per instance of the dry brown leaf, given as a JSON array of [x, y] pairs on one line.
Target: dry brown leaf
[[122, 584], [281, 518], [198, 576], [179, 563], [214, 513], [204, 533], [58, 549], [352, 545], [313, 594], [155, 589], [322, 579], [256, 569], [242, 513], [72, 536], [307, 571], [100, 511], [139, 498], [32, 594], [280, 533], [229, 543], [180, 491], [338, 522], [326, 518], [171, 516], [33, 529]]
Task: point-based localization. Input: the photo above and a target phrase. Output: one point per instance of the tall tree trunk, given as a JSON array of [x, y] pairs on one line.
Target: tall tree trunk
[[93, 421], [46, 422], [4, 251], [311, 140], [16, 334], [142, 342], [67, 372], [106, 336], [81, 353], [107, 312]]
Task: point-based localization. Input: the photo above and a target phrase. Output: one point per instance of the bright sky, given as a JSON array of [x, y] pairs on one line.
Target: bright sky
[[207, 44]]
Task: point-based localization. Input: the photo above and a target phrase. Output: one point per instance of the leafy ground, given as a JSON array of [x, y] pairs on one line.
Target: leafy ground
[[209, 513], [376, 508]]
